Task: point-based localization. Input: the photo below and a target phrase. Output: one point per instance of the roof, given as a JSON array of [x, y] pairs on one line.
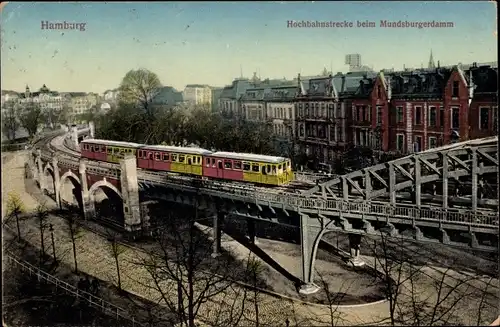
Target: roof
[[422, 84], [177, 149], [112, 143], [249, 157], [197, 85], [484, 78]]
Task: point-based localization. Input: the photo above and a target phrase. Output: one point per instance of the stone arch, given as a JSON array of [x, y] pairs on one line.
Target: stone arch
[[48, 167], [67, 174], [105, 183]]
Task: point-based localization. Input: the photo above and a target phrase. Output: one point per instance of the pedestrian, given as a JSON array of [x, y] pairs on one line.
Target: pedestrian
[[287, 322]]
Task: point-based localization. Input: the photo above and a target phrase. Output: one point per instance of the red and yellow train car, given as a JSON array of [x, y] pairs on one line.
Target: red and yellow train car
[[109, 151], [245, 167], [171, 158]]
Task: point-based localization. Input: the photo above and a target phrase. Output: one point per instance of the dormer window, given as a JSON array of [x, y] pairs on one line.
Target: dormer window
[[454, 91]]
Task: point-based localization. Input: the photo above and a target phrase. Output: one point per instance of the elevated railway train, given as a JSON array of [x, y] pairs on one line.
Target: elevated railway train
[[241, 167]]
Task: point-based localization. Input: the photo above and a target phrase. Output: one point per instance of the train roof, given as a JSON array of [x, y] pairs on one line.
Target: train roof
[[249, 157], [177, 149], [112, 143]]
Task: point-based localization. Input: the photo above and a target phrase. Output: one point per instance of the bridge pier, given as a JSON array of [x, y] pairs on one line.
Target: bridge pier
[[88, 204], [41, 175], [218, 220], [309, 244], [251, 231], [74, 136], [445, 238], [92, 129], [57, 182], [130, 194], [355, 245]]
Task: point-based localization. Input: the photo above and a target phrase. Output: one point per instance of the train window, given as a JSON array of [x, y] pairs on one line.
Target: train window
[[207, 162], [174, 157], [227, 164], [246, 166], [157, 156], [189, 160], [91, 148], [110, 151], [150, 155], [102, 148], [165, 157], [255, 168], [198, 160], [220, 164], [279, 167], [268, 169], [274, 169], [182, 158], [213, 163], [236, 165]]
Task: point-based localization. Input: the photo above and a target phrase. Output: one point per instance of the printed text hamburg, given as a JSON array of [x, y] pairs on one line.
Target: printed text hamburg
[[368, 24]]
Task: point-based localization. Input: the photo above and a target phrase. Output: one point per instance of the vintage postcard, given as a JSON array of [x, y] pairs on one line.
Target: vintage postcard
[[247, 163]]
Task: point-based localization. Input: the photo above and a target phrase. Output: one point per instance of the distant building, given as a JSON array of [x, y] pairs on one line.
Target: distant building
[[168, 97], [197, 94], [216, 94], [111, 96], [79, 104], [9, 96], [47, 100], [229, 101]]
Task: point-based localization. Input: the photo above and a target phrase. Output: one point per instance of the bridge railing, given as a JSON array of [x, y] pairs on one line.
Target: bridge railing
[[405, 212]]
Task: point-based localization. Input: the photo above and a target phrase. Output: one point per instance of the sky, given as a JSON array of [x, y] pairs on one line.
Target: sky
[[213, 42]]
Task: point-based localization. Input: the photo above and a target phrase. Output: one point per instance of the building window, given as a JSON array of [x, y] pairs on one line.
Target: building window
[[441, 116], [417, 147], [379, 115], [484, 115], [455, 118], [399, 115], [454, 92], [432, 142], [432, 116], [418, 115], [400, 142]]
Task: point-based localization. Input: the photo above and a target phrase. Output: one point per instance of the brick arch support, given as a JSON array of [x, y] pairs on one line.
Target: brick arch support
[[67, 174], [105, 183]]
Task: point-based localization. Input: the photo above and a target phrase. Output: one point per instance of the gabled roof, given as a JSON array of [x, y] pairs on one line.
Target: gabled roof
[[484, 78]]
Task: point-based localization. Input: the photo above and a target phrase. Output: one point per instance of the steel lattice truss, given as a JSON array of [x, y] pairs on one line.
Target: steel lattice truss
[[461, 175]]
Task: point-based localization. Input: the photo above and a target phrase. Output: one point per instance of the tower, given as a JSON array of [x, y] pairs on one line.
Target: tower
[[27, 92], [431, 62]]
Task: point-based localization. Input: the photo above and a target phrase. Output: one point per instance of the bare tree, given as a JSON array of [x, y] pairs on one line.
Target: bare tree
[[15, 207], [41, 216], [251, 276], [140, 87], [419, 298], [183, 272], [31, 117], [75, 232], [116, 249], [10, 120]]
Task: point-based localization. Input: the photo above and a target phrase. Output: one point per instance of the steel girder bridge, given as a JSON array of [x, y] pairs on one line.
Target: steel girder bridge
[[446, 195]]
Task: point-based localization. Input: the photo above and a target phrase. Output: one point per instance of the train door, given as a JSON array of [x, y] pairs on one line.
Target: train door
[[189, 167], [220, 169]]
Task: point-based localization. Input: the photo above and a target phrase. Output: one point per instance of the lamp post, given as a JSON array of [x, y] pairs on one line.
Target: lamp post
[[51, 230]]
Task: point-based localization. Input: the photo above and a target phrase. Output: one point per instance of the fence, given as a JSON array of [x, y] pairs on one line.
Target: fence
[[15, 147], [94, 301]]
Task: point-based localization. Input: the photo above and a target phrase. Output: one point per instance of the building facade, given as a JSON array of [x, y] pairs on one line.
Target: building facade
[[196, 94], [321, 106], [168, 97], [280, 114]]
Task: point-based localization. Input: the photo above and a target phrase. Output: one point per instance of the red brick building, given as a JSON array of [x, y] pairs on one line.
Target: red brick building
[[483, 109], [369, 117], [430, 108]]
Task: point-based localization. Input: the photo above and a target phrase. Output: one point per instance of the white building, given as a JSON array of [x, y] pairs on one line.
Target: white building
[[111, 96], [197, 94]]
